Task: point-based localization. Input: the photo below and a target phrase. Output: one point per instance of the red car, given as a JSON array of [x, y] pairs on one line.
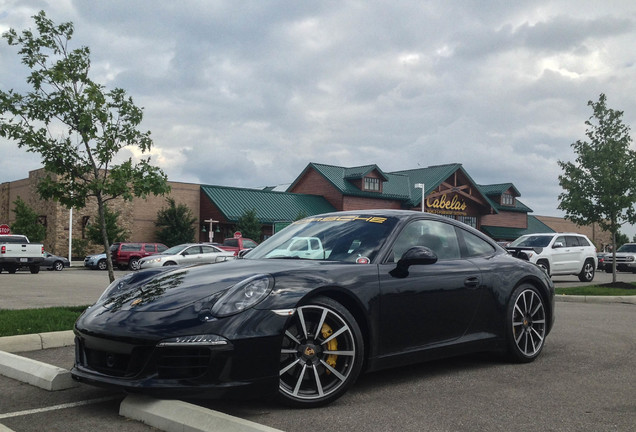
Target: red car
[[128, 254], [237, 244]]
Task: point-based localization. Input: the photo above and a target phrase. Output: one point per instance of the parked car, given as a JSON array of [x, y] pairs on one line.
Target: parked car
[[127, 255], [392, 288], [97, 261], [558, 253], [625, 259], [185, 254], [237, 244], [54, 262], [17, 251], [600, 257]]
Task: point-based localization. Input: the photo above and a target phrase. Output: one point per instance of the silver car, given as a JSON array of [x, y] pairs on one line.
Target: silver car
[[185, 254]]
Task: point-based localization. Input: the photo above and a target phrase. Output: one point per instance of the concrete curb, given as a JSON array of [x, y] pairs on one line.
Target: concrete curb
[[177, 416], [37, 341], [36, 373], [595, 299]]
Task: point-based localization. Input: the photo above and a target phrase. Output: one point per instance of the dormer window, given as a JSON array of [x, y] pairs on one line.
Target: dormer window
[[372, 184], [507, 199]]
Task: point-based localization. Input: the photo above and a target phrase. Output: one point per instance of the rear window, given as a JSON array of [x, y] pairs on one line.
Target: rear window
[[13, 239]]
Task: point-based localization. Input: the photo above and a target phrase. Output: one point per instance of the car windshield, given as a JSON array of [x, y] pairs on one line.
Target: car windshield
[[346, 238], [627, 248], [532, 241]]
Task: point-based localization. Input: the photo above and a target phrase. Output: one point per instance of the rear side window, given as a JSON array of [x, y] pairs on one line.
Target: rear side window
[[150, 247], [476, 246], [132, 247]]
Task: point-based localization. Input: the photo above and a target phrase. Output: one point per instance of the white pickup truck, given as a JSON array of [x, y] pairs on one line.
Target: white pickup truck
[[16, 251]]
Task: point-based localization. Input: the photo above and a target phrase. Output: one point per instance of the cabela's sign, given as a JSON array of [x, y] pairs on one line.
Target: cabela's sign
[[446, 206]]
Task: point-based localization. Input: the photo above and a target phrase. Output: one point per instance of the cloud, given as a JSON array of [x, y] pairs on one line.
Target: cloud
[[246, 94]]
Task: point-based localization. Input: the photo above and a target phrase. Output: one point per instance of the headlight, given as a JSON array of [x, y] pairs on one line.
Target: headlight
[[151, 260], [243, 295]]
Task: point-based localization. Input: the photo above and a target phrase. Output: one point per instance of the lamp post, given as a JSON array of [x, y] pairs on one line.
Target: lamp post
[[211, 233], [423, 187]]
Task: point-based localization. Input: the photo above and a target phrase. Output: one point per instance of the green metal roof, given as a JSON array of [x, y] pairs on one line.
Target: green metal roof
[[270, 206], [394, 187], [498, 189], [503, 233]]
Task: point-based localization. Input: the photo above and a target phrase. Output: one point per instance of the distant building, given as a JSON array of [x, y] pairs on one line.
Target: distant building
[[447, 190]]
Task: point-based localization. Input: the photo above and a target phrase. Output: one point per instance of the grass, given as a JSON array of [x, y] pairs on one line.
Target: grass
[[595, 290], [27, 321]]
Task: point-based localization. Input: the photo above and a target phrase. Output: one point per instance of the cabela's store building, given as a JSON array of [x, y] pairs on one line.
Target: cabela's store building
[[447, 190]]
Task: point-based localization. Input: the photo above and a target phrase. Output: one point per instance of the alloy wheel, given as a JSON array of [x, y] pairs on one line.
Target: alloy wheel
[[528, 323]]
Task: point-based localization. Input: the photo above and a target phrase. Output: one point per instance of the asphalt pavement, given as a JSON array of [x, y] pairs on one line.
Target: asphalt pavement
[[591, 344]]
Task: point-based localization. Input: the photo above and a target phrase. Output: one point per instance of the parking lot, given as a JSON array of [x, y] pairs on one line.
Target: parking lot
[[583, 381]]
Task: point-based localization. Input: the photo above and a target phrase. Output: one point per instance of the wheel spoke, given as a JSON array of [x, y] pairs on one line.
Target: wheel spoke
[[343, 353], [333, 371], [292, 337], [318, 383], [321, 322], [335, 334], [288, 367], [300, 380], [301, 318]]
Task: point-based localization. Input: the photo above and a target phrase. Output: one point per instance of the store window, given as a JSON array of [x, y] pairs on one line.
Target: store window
[[371, 184], [468, 220]]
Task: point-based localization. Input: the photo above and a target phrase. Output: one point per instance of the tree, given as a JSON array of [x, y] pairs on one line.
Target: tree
[[621, 239], [114, 231], [26, 222], [249, 225], [176, 224], [76, 126], [601, 186]]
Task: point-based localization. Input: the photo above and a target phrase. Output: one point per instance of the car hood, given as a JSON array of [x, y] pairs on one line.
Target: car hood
[[168, 288]]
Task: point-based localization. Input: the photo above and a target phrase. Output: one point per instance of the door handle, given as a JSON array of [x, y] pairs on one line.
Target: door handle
[[471, 282]]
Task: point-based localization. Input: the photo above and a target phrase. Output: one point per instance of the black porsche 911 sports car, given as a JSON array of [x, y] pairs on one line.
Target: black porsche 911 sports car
[[305, 312]]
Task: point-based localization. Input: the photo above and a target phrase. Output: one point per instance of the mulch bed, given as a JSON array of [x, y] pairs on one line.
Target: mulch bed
[[623, 285]]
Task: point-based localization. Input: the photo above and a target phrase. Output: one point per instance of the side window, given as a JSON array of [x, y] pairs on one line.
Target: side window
[[476, 246], [149, 247], [560, 239], [231, 242], [207, 249], [132, 247], [572, 241], [440, 237], [249, 244]]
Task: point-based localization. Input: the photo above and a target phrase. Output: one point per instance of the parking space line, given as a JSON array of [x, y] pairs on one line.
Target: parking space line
[[58, 407]]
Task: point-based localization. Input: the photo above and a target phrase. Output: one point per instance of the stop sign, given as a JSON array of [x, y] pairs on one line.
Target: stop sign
[[4, 229]]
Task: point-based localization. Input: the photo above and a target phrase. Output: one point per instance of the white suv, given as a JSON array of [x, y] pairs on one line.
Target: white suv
[[558, 253]]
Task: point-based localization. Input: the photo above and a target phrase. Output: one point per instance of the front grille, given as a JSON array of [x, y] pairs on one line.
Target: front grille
[[117, 364], [180, 363]]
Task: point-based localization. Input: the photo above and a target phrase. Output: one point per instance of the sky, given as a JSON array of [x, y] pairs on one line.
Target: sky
[[247, 93]]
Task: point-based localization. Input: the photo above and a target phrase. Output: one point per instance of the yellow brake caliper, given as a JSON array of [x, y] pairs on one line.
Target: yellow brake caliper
[[332, 345]]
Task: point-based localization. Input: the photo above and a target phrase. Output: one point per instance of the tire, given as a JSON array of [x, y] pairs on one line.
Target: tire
[[526, 324], [133, 264], [309, 375], [11, 269], [35, 269], [587, 272], [58, 266], [102, 264], [544, 265]]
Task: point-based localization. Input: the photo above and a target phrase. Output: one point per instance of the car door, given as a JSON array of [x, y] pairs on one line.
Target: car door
[[190, 255], [564, 257], [434, 303]]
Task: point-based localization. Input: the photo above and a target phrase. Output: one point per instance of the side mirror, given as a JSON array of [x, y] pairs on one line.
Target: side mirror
[[243, 252], [417, 255]]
